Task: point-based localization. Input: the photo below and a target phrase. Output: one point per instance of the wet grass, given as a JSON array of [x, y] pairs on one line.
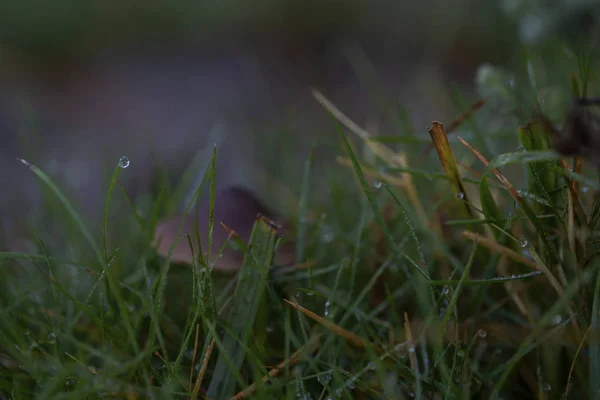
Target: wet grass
[[470, 271]]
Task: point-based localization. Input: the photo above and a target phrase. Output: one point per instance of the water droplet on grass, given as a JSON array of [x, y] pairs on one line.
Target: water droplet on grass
[[326, 234], [124, 162], [523, 242], [52, 338], [460, 195], [324, 378], [481, 333]]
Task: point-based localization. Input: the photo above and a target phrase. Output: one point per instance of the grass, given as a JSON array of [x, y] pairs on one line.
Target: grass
[[470, 271]]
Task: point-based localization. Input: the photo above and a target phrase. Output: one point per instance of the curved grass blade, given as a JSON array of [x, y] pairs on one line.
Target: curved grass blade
[[70, 209]]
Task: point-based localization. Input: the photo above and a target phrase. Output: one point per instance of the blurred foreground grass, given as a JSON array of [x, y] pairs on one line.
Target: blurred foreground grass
[[466, 268]]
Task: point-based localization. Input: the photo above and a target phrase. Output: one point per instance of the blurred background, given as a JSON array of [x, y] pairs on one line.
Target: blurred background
[[84, 83]]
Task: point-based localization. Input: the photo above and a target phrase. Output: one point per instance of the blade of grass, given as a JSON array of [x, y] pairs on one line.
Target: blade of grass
[[202, 371], [521, 157], [594, 346], [312, 346], [446, 156], [69, 207], [350, 337], [247, 300], [106, 208], [302, 221], [527, 344], [375, 207]]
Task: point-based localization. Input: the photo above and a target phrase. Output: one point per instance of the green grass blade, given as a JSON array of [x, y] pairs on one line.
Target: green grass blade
[[594, 346], [302, 221], [488, 205], [70, 209], [106, 208], [570, 291], [247, 299]]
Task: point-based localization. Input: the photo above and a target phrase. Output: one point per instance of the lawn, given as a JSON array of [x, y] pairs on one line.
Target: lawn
[[457, 261]]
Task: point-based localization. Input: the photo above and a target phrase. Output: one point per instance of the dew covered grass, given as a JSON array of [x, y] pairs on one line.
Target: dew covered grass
[[461, 262]]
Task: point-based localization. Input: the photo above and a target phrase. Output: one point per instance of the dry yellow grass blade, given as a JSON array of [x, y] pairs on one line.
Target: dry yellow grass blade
[[385, 153], [496, 334], [202, 371], [446, 156], [372, 173], [518, 296], [513, 192], [349, 336], [409, 341], [498, 248], [516, 257], [194, 357], [459, 120], [314, 344]]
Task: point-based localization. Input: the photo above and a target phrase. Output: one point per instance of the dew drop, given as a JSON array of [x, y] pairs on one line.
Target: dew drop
[[324, 378], [557, 319], [523, 242], [377, 184], [326, 235], [446, 290], [51, 338], [411, 348], [585, 189], [460, 195], [481, 333], [327, 305], [70, 383], [124, 162], [547, 387]]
